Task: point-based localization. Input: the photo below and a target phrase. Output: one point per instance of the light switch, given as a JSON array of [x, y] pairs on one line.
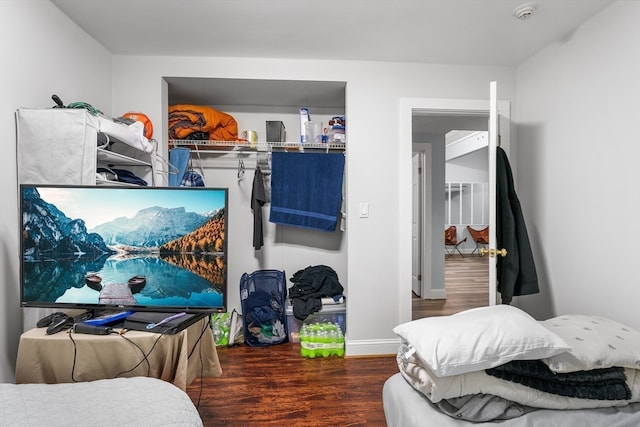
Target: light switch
[[364, 210]]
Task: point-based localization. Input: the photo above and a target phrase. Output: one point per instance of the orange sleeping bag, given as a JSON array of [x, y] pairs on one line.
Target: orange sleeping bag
[[200, 122]]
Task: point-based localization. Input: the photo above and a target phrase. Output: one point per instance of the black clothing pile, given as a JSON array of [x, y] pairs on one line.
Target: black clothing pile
[[310, 285], [598, 384]]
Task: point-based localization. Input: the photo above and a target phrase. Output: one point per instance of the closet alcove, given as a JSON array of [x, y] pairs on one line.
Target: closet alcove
[[253, 102]]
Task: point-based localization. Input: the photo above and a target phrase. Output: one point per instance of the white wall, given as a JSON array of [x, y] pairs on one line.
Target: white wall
[[42, 53], [468, 168], [53, 56], [578, 129], [577, 113], [373, 92], [577, 116]]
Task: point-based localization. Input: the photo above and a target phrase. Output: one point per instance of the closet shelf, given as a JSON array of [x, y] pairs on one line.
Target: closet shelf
[[112, 158], [241, 146]]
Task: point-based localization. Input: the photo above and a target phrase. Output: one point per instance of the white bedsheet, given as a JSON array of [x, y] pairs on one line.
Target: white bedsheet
[[405, 407], [122, 402]]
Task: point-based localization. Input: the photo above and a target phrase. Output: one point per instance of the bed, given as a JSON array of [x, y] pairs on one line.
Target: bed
[[406, 407], [122, 402], [498, 366]]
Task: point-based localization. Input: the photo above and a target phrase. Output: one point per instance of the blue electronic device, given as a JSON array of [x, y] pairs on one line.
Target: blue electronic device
[[108, 319]]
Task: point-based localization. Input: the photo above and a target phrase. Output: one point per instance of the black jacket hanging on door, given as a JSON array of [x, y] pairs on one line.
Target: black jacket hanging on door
[[516, 272]]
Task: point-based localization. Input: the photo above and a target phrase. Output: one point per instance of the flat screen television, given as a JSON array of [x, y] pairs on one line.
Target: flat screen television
[[135, 248]]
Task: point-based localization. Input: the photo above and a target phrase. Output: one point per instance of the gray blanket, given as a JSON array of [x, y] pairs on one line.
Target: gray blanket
[[482, 407]]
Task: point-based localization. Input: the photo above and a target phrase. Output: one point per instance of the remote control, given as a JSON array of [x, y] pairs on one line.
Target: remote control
[[51, 319], [60, 325]]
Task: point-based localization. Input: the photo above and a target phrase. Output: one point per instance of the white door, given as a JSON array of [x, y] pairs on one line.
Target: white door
[[416, 215], [493, 144]]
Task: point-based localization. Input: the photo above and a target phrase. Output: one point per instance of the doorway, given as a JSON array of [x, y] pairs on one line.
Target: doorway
[[419, 120], [435, 136]]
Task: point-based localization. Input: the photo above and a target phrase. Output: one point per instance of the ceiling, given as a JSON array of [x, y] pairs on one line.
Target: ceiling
[[464, 32], [473, 32]]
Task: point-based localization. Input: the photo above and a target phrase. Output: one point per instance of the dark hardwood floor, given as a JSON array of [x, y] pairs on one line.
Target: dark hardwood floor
[[275, 385]]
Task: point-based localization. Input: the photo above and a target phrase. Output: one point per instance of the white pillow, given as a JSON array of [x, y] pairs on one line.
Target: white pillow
[[478, 339], [596, 342]]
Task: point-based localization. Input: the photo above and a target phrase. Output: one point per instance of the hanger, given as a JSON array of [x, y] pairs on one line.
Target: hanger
[[241, 169], [171, 168]]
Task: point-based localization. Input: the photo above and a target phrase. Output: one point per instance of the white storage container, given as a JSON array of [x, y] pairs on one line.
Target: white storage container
[[333, 313]]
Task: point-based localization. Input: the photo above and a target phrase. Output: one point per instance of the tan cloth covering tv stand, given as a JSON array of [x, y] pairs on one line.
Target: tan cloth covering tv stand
[[46, 358]]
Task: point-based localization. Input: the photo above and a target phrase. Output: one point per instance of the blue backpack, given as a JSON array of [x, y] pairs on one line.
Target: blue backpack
[[263, 295]]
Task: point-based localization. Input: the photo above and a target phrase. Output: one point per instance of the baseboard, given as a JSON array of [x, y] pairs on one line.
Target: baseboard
[[372, 347], [435, 294]]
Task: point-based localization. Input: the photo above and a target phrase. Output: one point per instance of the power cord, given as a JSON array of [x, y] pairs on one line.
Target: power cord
[[207, 326], [145, 356], [73, 365]]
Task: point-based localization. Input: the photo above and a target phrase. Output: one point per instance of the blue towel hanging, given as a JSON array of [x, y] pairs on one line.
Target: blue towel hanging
[[306, 189]]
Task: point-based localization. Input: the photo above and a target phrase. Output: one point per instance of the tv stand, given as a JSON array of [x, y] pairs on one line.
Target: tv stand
[[69, 357]]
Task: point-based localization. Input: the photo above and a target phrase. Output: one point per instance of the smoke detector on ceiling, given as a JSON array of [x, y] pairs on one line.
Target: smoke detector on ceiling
[[524, 11]]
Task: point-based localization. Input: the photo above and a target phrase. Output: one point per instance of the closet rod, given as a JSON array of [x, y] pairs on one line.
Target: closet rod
[[241, 147], [228, 164]]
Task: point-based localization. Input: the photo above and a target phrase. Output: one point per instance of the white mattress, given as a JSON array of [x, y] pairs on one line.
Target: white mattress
[[406, 407], [122, 402]]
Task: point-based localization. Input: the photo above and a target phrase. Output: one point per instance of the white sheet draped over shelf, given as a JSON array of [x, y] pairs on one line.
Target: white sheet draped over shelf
[[60, 146]]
